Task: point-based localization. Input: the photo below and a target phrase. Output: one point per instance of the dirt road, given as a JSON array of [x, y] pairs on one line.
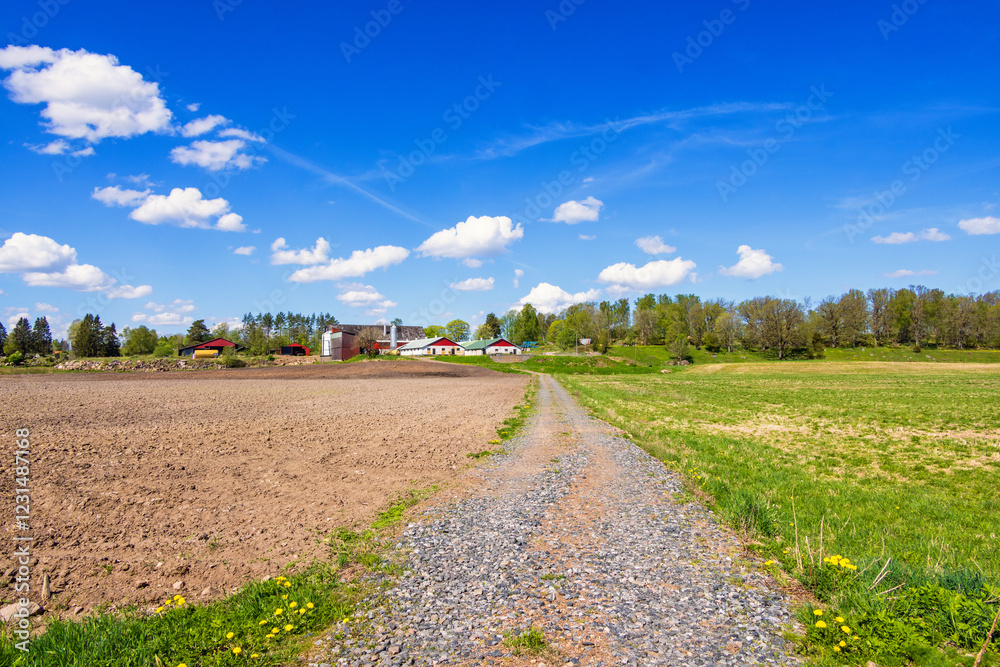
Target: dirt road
[[574, 532]]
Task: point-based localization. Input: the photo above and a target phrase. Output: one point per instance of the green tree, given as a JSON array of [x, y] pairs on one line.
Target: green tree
[[85, 335], [483, 332], [109, 345], [367, 341], [198, 333], [526, 326], [20, 337], [492, 325], [3, 335], [164, 348], [434, 331], [457, 330], [398, 321], [139, 340], [41, 337]]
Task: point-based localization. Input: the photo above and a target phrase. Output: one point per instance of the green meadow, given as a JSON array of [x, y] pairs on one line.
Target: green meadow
[[893, 466]]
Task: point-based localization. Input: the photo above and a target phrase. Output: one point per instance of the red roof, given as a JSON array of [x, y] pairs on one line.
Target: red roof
[[215, 342], [502, 343]]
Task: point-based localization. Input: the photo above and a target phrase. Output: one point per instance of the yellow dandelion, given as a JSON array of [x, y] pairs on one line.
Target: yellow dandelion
[[264, 622], [302, 611], [279, 611], [254, 655], [817, 612], [839, 619], [769, 562], [309, 605], [288, 584], [159, 609], [836, 649], [820, 624], [785, 551], [275, 630], [182, 664], [288, 628], [846, 630], [293, 604], [237, 650], [180, 600], [842, 643], [268, 636], [284, 597]]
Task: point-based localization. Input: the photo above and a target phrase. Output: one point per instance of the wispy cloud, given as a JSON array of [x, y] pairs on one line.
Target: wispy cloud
[[537, 135]]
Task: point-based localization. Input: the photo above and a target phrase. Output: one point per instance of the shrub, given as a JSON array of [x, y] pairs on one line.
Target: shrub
[[16, 358], [163, 349], [232, 361], [680, 350]]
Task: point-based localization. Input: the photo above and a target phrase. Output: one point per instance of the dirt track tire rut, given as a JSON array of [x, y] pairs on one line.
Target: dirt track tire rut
[[573, 531]]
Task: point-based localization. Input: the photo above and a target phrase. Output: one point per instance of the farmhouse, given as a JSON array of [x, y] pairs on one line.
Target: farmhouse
[[430, 347], [490, 346], [216, 344], [339, 341]]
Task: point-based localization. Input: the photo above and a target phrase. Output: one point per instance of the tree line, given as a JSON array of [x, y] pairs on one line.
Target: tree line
[[914, 316]]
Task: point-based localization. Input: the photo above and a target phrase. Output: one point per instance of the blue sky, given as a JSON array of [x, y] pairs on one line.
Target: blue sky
[[172, 161]]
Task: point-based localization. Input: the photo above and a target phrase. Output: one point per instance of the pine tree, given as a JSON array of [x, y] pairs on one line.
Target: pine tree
[[21, 336], [41, 336], [110, 347], [3, 335], [86, 336]]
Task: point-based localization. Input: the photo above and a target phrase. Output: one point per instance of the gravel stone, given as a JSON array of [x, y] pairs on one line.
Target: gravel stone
[[573, 530]]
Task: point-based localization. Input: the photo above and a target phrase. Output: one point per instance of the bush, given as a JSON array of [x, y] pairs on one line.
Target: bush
[[16, 358], [232, 361], [680, 350], [917, 349], [163, 349]]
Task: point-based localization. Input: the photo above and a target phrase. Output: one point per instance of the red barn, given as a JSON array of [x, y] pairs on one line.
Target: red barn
[[217, 344]]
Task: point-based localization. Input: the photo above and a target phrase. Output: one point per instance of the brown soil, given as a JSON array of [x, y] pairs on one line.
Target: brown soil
[[212, 478]]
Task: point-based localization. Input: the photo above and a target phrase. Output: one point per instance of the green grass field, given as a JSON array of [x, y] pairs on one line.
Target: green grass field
[[657, 355], [883, 460]]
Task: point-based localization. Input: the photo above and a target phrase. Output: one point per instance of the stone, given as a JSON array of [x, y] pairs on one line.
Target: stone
[[178, 585], [10, 610]]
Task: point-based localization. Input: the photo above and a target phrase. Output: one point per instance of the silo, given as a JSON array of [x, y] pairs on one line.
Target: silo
[[327, 348], [392, 338]]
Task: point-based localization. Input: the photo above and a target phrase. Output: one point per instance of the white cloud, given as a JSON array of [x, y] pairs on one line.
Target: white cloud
[[86, 95], [12, 320], [117, 196], [84, 152], [179, 305], [934, 234], [129, 292], [216, 155], [81, 277], [45, 308], [658, 273], [905, 273], [26, 252], [57, 147], [476, 236], [587, 237], [897, 238], [202, 125], [518, 273], [572, 212], [976, 226], [241, 134], [319, 253], [752, 264], [654, 245], [42, 262], [548, 298], [358, 295], [472, 262], [474, 285], [163, 319], [245, 250], [358, 264], [139, 179], [193, 107], [183, 207]]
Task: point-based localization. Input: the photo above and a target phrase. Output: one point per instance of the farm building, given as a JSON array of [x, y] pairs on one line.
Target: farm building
[[430, 347], [216, 344], [295, 350], [339, 340], [490, 346]]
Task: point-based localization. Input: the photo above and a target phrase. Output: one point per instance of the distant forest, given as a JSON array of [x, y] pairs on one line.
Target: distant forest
[[915, 316]]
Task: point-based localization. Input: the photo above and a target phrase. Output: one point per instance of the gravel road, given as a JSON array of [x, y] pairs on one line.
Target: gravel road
[[574, 531]]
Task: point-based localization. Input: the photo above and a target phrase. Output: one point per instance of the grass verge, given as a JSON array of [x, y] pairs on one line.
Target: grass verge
[[873, 484]]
